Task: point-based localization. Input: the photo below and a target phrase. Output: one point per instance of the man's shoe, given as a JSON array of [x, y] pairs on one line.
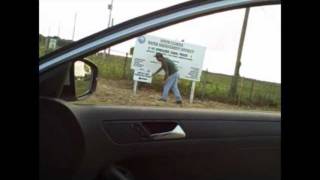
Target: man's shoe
[[179, 102], [164, 100]]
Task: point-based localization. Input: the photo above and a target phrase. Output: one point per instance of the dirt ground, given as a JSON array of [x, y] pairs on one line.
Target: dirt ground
[[112, 92]]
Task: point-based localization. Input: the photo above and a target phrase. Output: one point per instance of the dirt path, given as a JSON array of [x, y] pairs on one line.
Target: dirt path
[[112, 92]]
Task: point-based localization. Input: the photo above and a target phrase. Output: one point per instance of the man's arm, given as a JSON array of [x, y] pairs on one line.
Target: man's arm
[[166, 69], [157, 71]]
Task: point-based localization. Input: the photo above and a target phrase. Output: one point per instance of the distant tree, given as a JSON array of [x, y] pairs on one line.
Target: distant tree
[[43, 42], [41, 38], [63, 42]]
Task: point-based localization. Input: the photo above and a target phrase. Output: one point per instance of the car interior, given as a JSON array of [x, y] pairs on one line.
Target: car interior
[[109, 142]]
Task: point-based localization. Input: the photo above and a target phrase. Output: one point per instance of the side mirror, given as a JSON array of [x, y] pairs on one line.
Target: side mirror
[[84, 78], [81, 80]]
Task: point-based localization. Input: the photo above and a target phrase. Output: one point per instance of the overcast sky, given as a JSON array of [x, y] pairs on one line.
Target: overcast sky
[[219, 33]]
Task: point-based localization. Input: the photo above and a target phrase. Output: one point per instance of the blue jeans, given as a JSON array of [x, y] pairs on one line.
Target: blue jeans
[[171, 83]]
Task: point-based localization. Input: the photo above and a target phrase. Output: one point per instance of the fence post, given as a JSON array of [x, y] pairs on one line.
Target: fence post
[[124, 66], [270, 97], [46, 45], [251, 90], [204, 84], [239, 97]]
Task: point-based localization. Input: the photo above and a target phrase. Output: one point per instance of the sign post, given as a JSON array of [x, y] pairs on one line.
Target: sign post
[[135, 84], [193, 87]]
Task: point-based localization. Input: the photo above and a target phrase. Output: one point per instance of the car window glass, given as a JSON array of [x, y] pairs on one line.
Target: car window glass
[[257, 87], [62, 22]]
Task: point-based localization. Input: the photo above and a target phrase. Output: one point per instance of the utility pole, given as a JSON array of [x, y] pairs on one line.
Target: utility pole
[[47, 41], [74, 26], [49, 31], [59, 29], [110, 11], [234, 82], [110, 47], [58, 36], [110, 7]]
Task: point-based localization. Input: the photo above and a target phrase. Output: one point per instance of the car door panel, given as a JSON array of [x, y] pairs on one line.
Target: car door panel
[[217, 144]]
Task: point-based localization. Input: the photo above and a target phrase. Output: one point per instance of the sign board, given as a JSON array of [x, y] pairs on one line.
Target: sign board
[[79, 70], [187, 57], [52, 43], [142, 75]]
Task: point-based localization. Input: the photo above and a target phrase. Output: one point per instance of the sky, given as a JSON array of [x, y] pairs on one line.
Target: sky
[[219, 33]]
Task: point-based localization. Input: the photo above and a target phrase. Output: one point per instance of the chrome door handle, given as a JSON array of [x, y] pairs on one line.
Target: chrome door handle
[[176, 133]]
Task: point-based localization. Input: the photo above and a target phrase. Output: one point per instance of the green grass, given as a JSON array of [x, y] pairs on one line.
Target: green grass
[[111, 67], [42, 48], [82, 86], [42, 44], [251, 93], [264, 94]]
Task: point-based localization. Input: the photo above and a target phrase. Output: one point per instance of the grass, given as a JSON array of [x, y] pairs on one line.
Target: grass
[[212, 87], [42, 44], [82, 86], [253, 93]]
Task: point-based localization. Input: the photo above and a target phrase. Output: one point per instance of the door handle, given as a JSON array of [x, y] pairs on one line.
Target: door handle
[[176, 133]]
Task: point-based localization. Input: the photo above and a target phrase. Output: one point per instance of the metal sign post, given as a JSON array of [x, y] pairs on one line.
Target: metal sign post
[[193, 87], [135, 85]]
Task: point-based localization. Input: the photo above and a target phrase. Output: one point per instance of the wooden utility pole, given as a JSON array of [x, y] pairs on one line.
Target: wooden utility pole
[[74, 25], [125, 66], [110, 11], [47, 41], [239, 97], [234, 82], [251, 90], [110, 47], [59, 29], [110, 7], [204, 84]]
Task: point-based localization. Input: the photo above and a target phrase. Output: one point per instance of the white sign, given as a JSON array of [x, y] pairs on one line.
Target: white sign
[[187, 57], [52, 43], [79, 70], [142, 75]]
